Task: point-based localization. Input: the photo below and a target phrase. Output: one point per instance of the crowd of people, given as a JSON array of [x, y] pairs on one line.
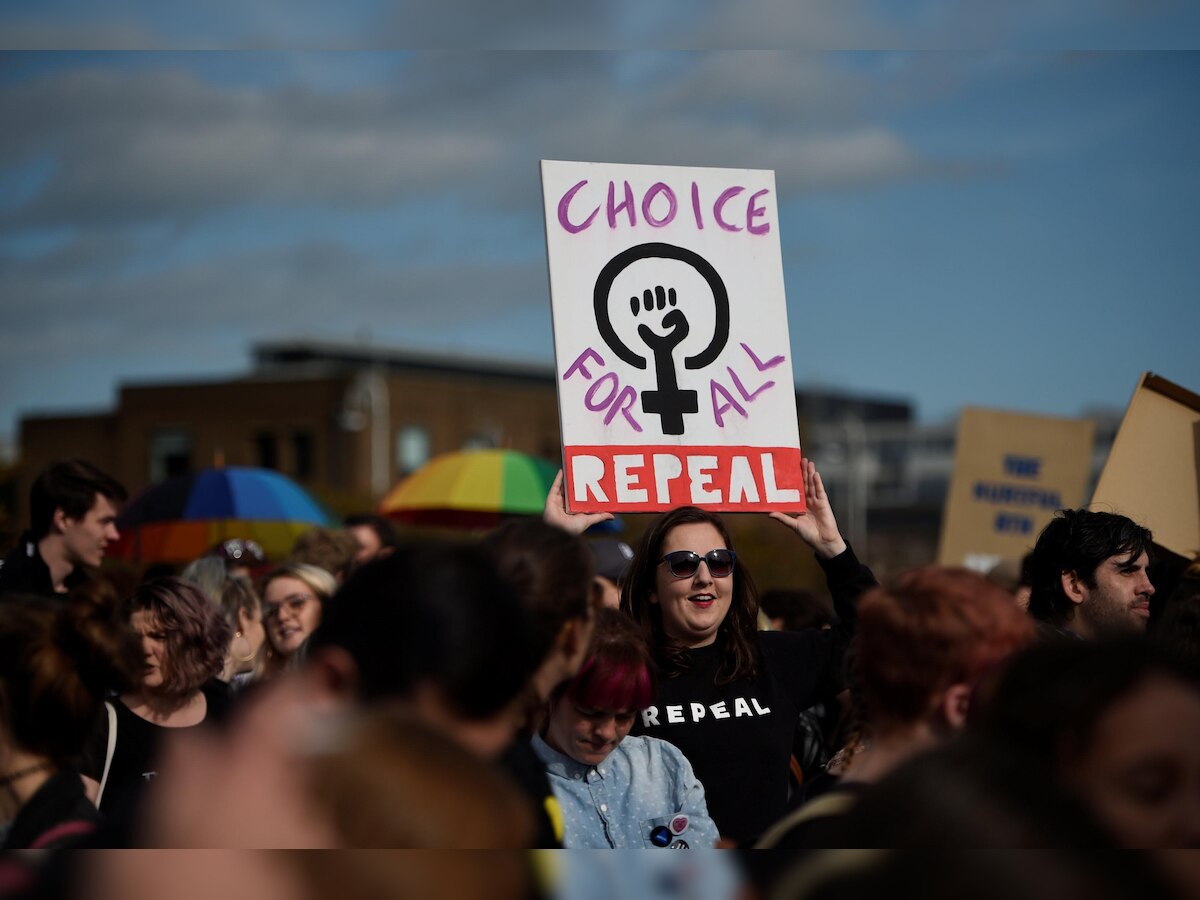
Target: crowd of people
[[535, 688]]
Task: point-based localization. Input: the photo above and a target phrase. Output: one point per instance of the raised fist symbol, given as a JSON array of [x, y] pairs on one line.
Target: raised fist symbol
[[663, 335]]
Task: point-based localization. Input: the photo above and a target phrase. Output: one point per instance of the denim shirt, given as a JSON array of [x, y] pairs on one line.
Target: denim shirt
[[643, 785]]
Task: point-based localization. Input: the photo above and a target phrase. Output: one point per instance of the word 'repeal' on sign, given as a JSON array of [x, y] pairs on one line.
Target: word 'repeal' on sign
[[671, 342]]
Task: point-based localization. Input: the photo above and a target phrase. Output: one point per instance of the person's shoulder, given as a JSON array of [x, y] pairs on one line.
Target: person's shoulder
[[24, 548], [643, 742], [653, 750], [642, 747], [19, 571], [772, 637], [787, 654], [1051, 632], [782, 642], [814, 824]]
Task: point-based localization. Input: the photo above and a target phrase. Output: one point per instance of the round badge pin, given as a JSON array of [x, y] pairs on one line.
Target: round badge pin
[[679, 824], [660, 836], [679, 845]]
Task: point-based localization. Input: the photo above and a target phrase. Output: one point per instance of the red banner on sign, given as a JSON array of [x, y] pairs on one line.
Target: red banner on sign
[[655, 478]]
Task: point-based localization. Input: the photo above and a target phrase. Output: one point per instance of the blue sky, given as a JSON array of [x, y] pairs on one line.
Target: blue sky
[[996, 210]]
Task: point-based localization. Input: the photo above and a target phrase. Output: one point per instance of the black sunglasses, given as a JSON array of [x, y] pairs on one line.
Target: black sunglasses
[[684, 563]]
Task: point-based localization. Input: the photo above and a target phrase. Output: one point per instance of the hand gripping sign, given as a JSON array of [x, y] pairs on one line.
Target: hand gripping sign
[[671, 338]]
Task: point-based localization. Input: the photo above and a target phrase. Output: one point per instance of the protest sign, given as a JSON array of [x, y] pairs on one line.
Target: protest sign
[[671, 342], [1011, 473], [1151, 471]]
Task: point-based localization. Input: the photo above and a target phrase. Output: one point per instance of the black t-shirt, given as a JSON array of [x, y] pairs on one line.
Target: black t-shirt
[[738, 736]]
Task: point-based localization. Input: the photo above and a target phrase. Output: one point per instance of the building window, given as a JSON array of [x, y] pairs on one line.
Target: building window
[[170, 454], [302, 455], [412, 448], [266, 450]]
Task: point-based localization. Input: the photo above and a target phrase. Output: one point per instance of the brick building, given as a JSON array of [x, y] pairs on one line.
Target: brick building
[[345, 421], [348, 421]]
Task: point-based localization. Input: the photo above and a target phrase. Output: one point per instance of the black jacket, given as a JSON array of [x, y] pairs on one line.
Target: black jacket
[[25, 572], [58, 815]]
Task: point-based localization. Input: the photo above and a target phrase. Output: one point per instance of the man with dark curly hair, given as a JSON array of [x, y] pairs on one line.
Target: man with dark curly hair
[[1090, 575]]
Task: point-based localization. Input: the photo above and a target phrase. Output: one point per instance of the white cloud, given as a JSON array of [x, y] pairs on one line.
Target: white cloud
[[134, 146], [131, 146], [793, 24], [62, 307], [28, 34]]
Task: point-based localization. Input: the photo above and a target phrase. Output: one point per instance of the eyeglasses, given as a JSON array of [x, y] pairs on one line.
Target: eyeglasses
[[294, 604], [684, 563]]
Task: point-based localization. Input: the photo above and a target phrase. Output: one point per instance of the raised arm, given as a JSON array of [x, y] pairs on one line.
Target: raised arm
[[556, 512], [816, 526], [846, 577]]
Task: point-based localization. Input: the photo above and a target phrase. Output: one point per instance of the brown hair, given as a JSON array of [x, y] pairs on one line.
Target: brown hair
[[331, 549], [927, 629], [739, 653], [238, 595], [56, 661], [72, 486], [618, 673], [197, 633], [551, 571], [393, 782]]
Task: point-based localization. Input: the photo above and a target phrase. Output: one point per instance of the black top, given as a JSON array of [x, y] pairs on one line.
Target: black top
[[24, 571], [58, 815], [738, 736], [135, 756]]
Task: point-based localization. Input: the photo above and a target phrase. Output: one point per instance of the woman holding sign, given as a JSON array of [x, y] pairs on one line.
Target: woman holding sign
[[729, 695]]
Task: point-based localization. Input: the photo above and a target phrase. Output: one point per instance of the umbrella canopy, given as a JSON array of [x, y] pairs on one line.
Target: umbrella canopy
[[472, 489], [180, 519]]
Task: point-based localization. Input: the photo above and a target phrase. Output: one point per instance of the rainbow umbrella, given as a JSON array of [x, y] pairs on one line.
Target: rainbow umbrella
[[181, 519], [471, 489]]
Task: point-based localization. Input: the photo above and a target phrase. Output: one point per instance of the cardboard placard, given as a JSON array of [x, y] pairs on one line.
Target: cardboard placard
[[674, 369], [1011, 473], [1151, 474]]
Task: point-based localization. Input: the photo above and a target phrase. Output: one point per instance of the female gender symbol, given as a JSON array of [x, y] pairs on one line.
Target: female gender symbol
[[669, 403]]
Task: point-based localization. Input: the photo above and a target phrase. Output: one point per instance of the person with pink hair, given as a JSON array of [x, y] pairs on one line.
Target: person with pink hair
[[617, 790]]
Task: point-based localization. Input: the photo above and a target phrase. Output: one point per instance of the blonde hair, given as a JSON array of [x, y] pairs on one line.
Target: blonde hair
[[319, 580]]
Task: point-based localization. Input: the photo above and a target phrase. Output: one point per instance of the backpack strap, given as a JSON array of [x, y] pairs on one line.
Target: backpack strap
[[112, 746]]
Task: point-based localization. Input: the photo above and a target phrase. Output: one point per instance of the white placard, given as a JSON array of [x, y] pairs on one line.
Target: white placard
[[671, 341]]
